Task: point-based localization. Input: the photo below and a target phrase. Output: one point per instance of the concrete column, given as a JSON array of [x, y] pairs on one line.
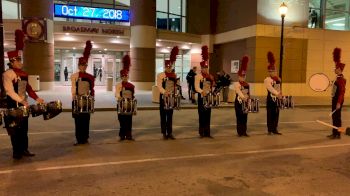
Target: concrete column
[[143, 43], [39, 56]]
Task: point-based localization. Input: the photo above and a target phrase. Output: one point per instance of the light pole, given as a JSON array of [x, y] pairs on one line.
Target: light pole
[[283, 11]]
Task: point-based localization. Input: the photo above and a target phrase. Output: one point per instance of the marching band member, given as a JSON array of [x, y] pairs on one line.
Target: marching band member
[[272, 84], [82, 84], [242, 94], [166, 83], [204, 83], [337, 93], [16, 85], [125, 89]]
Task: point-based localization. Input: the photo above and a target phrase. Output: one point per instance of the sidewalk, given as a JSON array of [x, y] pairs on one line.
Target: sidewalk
[[105, 101]]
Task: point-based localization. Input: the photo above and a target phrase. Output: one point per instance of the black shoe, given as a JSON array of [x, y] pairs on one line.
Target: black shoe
[[28, 154], [17, 156], [121, 139], [277, 133], [165, 137], [337, 137], [210, 137], [331, 136], [171, 137], [130, 139], [86, 142]]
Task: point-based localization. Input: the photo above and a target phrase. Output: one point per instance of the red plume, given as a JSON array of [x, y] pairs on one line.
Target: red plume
[[270, 58], [205, 53], [126, 62], [243, 69], [336, 55], [87, 50], [245, 61], [19, 39], [173, 54]]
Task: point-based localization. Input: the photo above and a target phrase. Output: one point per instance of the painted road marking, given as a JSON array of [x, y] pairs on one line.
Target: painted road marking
[[176, 127], [159, 159]]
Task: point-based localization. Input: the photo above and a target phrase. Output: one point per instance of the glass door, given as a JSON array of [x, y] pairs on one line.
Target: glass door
[[98, 70], [69, 67]]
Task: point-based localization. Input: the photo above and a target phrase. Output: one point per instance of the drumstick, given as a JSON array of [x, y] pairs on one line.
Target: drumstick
[[330, 114], [340, 129]]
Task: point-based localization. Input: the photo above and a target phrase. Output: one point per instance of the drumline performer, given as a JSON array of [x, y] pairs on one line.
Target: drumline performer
[[166, 83], [272, 84], [15, 82], [125, 90], [337, 93], [204, 83], [82, 85], [242, 95]]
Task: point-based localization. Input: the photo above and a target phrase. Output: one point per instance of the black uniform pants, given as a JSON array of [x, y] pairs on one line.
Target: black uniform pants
[[125, 122], [166, 118], [273, 112], [19, 137], [204, 118], [336, 117], [82, 126], [241, 119]]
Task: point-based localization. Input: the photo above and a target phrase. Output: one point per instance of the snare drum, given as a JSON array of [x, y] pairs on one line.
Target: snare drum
[[127, 106], [14, 116], [211, 100], [37, 109], [287, 102], [53, 108], [250, 106], [172, 102], [83, 104]]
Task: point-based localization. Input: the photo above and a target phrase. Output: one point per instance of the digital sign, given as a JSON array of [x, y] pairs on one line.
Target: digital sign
[[82, 12]]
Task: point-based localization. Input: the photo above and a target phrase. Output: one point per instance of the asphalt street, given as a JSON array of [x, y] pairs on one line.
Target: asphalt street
[[302, 161]]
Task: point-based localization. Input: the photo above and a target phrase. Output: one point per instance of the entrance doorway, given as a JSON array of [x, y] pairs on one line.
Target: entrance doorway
[[101, 66]]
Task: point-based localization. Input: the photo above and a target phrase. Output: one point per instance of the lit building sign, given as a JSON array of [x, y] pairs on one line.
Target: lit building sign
[[72, 11]]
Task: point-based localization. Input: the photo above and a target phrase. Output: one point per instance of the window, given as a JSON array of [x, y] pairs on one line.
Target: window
[[329, 14], [162, 20], [171, 15], [162, 5], [174, 23], [336, 20], [175, 7], [10, 9]]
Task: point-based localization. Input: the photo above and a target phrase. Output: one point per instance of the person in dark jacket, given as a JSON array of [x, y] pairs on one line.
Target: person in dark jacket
[[190, 83]]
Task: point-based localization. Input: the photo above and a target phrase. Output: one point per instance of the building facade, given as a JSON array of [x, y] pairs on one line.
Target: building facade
[[231, 29]]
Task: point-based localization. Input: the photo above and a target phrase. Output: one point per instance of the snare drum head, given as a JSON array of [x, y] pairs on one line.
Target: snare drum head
[[319, 82]]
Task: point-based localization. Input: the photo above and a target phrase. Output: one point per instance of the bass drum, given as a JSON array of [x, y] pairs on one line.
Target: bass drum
[[319, 82]]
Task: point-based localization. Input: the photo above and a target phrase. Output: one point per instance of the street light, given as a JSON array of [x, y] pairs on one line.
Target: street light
[[283, 11]]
